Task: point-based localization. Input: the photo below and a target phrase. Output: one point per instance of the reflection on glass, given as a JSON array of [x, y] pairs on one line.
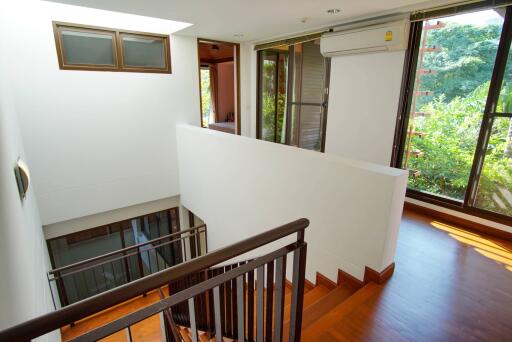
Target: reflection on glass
[[141, 51], [307, 112], [495, 185], [455, 64], [109, 272], [88, 48]]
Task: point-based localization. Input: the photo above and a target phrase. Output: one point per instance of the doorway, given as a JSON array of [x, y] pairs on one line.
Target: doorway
[[219, 85]]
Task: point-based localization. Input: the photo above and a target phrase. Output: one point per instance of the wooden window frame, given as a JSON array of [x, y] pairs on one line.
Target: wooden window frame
[[117, 50], [466, 206]]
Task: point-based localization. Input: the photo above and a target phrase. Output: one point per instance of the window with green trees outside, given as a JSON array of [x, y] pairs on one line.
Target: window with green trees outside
[[458, 141]]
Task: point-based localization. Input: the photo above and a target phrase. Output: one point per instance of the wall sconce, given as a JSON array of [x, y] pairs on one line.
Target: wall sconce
[[22, 177]]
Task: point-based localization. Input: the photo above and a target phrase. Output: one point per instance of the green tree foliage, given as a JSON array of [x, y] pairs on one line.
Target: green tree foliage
[[205, 95], [465, 60], [268, 101]]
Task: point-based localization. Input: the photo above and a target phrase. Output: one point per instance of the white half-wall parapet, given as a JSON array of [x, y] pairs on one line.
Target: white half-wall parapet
[[242, 186]]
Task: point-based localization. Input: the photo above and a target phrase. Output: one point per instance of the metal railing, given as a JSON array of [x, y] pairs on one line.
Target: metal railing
[[245, 276], [92, 276]]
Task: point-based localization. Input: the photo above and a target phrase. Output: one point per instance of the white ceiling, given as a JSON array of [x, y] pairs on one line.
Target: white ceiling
[[255, 19]]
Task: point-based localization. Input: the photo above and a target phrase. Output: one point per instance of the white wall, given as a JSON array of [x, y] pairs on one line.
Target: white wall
[[251, 186], [86, 222], [363, 105], [248, 78], [24, 290], [97, 141]]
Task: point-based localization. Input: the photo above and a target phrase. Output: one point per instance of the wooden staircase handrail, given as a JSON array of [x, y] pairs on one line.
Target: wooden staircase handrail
[[54, 320]]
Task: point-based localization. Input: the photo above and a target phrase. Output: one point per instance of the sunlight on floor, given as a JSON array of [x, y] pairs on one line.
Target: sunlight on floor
[[484, 246]]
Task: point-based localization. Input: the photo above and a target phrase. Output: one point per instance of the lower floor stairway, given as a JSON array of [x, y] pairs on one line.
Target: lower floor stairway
[[324, 304]]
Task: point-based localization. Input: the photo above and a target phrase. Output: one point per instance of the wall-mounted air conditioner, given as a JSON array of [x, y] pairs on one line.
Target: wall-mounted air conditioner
[[390, 36]]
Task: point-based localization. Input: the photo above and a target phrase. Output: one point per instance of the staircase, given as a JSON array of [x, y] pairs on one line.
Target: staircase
[[324, 304], [204, 299]]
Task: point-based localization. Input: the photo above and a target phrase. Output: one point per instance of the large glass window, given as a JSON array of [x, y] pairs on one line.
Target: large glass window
[[455, 64], [457, 143], [292, 95]]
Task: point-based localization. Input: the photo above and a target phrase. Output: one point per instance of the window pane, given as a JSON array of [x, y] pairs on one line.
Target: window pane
[[505, 101], [206, 104], [147, 52], [88, 48], [282, 85], [495, 186], [308, 96], [268, 95], [273, 80], [455, 64]]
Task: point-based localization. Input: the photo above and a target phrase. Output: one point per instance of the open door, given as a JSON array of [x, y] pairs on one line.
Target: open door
[[219, 85]]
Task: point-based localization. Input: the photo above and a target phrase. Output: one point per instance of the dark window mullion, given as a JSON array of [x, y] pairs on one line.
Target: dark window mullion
[[289, 94], [490, 107], [408, 80], [501, 115]]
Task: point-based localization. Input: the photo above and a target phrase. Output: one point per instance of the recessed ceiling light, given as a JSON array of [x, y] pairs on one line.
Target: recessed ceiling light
[[333, 11], [238, 35]]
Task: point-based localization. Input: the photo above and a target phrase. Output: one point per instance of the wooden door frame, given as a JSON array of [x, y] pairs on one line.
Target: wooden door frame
[[236, 58]]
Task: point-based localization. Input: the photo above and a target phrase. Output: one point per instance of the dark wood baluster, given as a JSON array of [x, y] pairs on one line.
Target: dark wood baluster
[[299, 269], [222, 288], [209, 304], [234, 312], [192, 315], [280, 294], [216, 310], [156, 257], [260, 305], [240, 282], [250, 306], [97, 289], [170, 325], [229, 312], [139, 261], [270, 301]]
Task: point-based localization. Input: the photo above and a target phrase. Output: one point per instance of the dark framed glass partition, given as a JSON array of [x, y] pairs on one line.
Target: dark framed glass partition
[[107, 273], [293, 82], [454, 132]]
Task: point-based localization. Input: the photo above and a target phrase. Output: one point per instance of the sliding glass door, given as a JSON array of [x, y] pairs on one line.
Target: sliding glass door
[[292, 95], [456, 136], [273, 82]]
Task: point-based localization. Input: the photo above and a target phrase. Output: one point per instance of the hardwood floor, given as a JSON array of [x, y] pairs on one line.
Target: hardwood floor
[[449, 284], [146, 330]]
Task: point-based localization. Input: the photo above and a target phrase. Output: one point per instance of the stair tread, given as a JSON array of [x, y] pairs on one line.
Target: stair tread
[[321, 307], [317, 322], [333, 299], [310, 297]]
